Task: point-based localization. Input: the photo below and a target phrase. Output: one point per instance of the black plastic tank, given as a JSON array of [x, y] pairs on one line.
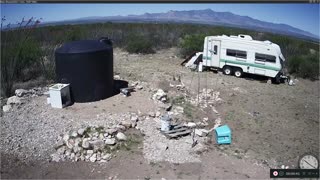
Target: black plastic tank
[[88, 66]]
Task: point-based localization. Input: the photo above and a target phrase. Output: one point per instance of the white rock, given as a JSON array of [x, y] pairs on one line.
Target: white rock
[[152, 114], [65, 138], [89, 152], [70, 143], [110, 141], [6, 108], [116, 77], [179, 109], [55, 157], [106, 156], [72, 155], [74, 134], [201, 132], [76, 149], [20, 92], [97, 144], [127, 124], [101, 136], [191, 124], [158, 114], [85, 143], [120, 136], [93, 158], [139, 87], [13, 100], [135, 118], [61, 150], [68, 152], [283, 167], [81, 131], [111, 131], [121, 127]]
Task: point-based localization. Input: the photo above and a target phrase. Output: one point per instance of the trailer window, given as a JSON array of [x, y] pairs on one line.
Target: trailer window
[[265, 58], [231, 52], [215, 49], [237, 53]]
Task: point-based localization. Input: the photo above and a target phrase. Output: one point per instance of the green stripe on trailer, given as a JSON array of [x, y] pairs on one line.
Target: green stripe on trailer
[[250, 64]]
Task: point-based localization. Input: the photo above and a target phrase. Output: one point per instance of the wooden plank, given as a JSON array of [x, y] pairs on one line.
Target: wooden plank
[[175, 130], [177, 134]]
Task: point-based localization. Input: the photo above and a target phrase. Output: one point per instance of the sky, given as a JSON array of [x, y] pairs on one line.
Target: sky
[[302, 16]]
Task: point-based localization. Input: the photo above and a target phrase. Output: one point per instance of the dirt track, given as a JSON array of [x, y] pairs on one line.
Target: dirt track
[[272, 125]]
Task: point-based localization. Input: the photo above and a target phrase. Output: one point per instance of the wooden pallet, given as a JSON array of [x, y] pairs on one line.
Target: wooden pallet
[[177, 131]]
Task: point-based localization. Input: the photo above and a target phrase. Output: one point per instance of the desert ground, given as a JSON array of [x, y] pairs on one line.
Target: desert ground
[[272, 125]]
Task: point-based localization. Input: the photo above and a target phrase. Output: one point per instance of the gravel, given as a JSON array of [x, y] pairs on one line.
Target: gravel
[[157, 148], [30, 130]]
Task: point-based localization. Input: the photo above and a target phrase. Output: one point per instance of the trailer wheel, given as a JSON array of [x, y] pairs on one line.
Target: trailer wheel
[[227, 70], [238, 72]]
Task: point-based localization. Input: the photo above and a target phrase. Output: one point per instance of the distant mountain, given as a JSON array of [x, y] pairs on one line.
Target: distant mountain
[[206, 16]]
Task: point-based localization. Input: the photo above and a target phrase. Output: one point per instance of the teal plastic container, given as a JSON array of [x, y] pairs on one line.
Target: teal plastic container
[[223, 134]]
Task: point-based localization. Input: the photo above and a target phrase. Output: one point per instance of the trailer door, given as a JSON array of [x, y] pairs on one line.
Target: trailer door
[[215, 53]]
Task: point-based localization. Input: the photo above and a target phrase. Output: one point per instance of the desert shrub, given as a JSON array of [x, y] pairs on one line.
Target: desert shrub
[[140, 44], [20, 54], [191, 43], [305, 66]]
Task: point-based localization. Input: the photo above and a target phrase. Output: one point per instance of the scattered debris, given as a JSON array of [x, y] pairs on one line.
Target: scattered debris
[[206, 98], [126, 91]]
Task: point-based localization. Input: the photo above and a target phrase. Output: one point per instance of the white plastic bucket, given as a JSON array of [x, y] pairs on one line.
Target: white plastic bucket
[[165, 123]]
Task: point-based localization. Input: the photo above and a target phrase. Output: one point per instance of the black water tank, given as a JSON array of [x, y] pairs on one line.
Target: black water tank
[[88, 66]]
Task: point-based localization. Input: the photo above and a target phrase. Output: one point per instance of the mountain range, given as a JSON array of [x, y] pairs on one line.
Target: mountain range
[[206, 16]]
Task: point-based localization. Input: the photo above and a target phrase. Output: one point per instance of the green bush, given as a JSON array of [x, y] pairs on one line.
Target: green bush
[[191, 43], [305, 66], [139, 45]]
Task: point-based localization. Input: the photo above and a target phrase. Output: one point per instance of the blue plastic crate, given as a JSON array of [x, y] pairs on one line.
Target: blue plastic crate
[[223, 134]]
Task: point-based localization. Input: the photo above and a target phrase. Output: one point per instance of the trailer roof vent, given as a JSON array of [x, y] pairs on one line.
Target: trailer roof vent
[[243, 36]]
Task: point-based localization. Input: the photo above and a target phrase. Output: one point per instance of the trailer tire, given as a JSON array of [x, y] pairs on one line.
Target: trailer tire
[[276, 80], [238, 72], [227, 70]]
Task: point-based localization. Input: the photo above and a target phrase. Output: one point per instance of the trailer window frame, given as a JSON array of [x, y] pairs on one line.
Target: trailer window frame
[[237, 53], [265, 58]]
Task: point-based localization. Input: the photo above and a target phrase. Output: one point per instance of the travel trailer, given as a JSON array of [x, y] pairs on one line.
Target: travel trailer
[[240, 54]]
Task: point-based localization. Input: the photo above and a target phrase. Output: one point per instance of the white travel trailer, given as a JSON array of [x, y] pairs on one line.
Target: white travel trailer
[[241, 54]]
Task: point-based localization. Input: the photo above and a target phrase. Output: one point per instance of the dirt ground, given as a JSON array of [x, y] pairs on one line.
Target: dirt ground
[[272, 125]]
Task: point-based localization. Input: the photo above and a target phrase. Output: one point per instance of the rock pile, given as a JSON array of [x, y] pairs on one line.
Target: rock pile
[[38, 91], [20, 94], [89, 144], [160, 95]]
